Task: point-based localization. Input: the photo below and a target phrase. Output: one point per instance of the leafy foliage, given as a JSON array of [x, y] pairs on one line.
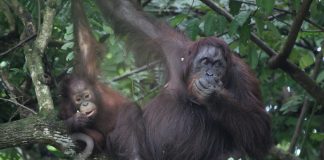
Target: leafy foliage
[[268, 19]]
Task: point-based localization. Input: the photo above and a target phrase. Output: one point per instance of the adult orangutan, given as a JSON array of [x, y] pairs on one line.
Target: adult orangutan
[[89, 106], [211, 106]]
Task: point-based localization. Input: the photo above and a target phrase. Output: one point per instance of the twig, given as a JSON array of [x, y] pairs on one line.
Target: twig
[[149, 93], [278, 60], [20, 105], [306, 106], [13, 115], [19, 44], [282, 155], [314, 24], [140, 69], [307, 132]]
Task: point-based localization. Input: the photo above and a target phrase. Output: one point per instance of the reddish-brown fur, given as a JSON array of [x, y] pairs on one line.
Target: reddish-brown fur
[[179, 125], [118, 123]]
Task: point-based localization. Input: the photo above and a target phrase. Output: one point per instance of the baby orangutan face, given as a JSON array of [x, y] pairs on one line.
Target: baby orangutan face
[[83, 98]]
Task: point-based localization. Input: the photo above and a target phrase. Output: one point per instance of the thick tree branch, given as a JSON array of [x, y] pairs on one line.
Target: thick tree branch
[[297, 74], [33, 56], [279, 59], [36, 129], [41, 130]]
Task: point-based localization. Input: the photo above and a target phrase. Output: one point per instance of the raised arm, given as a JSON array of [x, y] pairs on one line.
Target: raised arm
[[144, 35], [87, 49]]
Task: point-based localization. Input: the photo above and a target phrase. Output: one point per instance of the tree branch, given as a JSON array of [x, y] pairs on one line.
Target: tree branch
[[298, 75], [314, 24], [18, 45], [33, 56], [306, 106], [140, 69], [18, 104], [282, 155], [36, 129], [279, 59]]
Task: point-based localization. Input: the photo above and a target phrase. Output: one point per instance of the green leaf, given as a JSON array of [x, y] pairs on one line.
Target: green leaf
[[69, 57], [54, 151], [292, 105], [320, 77], [107, 29], [176, 20], [295, 56], [296, 4], [259, 24], [193, 28], [242, 17], [221, 24], [69, 29], [51, 148], [317, 137], [241, 20], [253, 59], [266, 5], [3, 64], [245, 33], [210, 24], [68, 36], [233, 27], [67, 45], [306, 60], [234, 7]]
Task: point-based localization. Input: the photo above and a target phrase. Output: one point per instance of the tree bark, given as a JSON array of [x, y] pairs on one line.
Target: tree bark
[[36, 129]]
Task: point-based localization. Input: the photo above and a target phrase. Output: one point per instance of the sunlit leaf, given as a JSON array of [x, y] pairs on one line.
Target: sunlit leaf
[[51, 148], [306, 60], [3, 64], [70, 56], [320, 77], [176, 20], [107, 29], [292, 105], [242, 17], [317, 137], [67, 45]]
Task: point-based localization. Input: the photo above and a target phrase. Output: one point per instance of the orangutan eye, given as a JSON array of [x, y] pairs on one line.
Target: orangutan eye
[[78, 99], [87, 96], [217, 63], [205, 61]]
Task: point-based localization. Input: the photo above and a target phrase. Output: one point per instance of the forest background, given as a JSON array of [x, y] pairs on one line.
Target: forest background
[[281, 40]]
